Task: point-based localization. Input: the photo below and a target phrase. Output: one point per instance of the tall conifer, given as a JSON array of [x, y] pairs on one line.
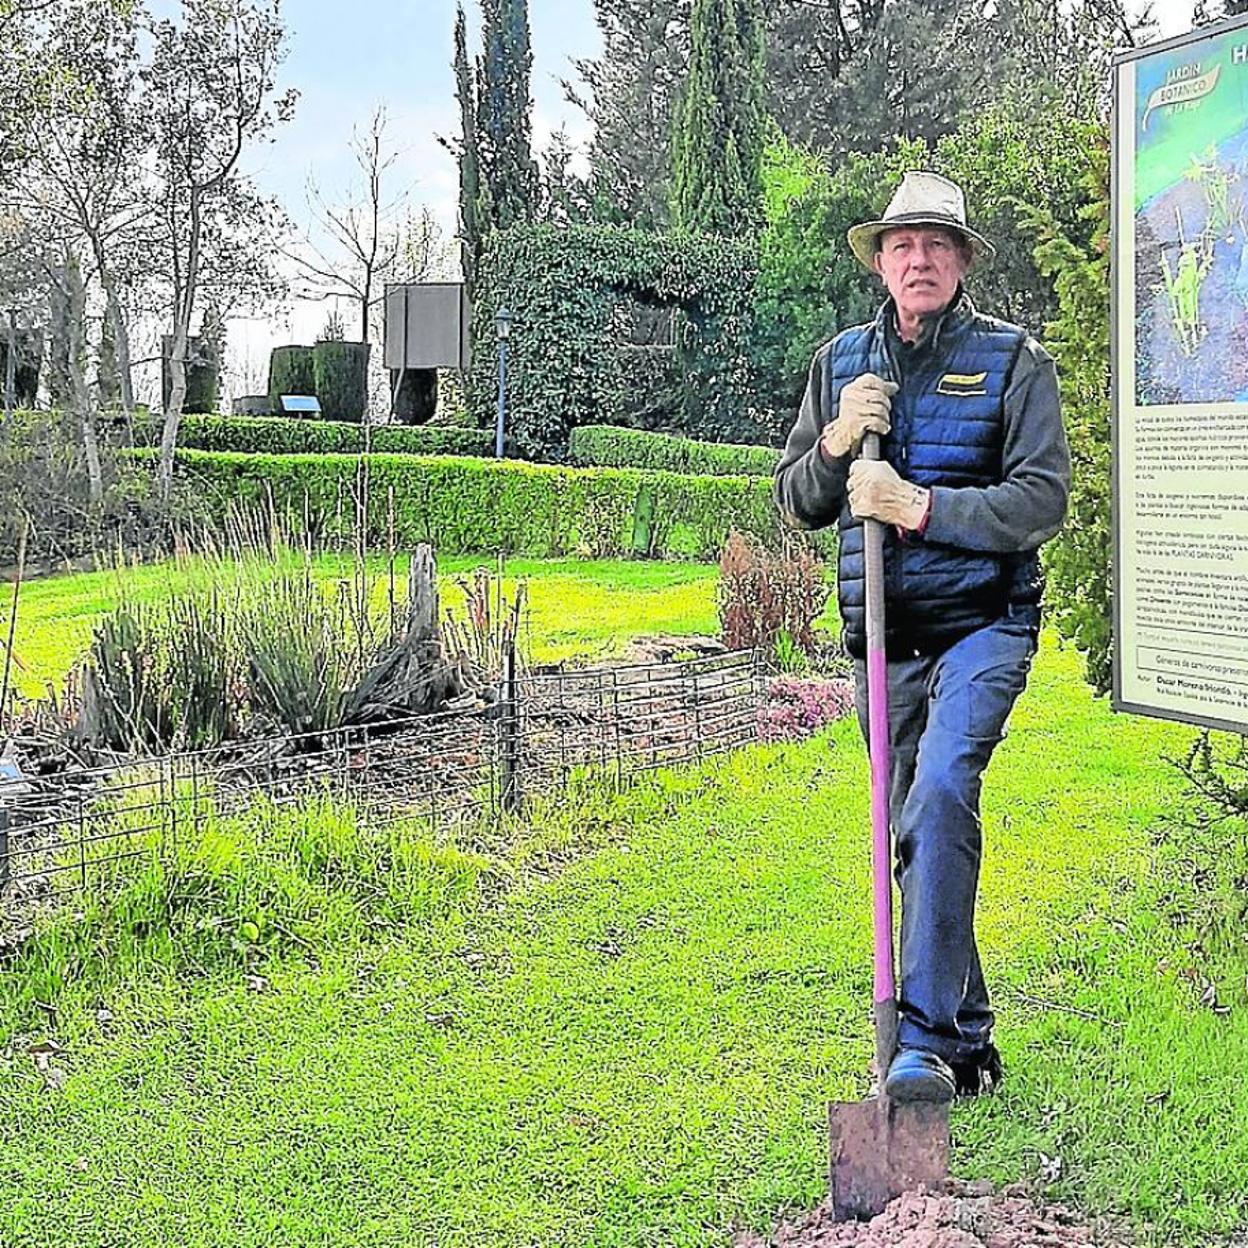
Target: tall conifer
[[504, 107], [720, 126], [469, 154]]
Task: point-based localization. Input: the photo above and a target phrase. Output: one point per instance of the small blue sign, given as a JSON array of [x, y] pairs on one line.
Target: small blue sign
[[303, 403]]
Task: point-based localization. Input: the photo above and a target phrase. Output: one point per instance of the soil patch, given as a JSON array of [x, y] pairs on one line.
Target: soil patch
[[969, 1216]]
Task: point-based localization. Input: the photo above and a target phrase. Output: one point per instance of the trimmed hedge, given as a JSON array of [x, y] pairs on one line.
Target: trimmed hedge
[[276, 435], [607, 446], [291, 371], [203, 375], [341, 373], [27, 360], [482, 506]]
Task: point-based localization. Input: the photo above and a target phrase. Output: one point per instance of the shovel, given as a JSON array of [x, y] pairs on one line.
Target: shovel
[[881, 1148]]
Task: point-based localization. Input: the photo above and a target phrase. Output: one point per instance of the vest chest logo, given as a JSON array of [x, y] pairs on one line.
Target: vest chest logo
[[963, 385]]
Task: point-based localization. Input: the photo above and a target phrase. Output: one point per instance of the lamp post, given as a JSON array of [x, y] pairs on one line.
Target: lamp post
[[502, 327], [10, 371]]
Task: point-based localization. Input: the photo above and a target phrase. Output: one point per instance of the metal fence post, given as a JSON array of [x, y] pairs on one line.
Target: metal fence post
[[615, 719], [601, 725], [512, 795], [82, 843], [4, 847], [697, 717], [169, 799]]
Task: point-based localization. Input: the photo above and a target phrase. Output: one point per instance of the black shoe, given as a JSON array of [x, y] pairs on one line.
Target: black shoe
[[919, 1075], [980, 1074]]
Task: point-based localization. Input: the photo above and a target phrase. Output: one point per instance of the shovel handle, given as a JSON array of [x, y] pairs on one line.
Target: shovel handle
[[878, 748]]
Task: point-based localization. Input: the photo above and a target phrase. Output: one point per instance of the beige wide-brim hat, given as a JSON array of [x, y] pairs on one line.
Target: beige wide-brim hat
[[921, 199]]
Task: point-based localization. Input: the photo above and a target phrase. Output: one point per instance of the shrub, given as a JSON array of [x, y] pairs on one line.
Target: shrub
[[414, 394], [203, 375], [765, 596], [43, 475], [486, 506], [1078, 562], [27, 359], [290, 372], [250, 639], [156, 677], [798, 706], [302, 660], [283, 436], [609, 446], [340, 370]]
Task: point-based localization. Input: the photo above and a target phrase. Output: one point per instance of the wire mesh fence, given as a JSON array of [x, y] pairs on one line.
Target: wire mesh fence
[[58, 832]]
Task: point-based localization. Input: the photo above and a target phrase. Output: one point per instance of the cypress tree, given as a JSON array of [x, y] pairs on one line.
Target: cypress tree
[[721, 120], [469, 154], [504, 108], [67, 333], [108, 378]]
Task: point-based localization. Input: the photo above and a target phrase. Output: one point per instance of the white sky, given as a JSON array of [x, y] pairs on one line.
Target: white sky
[[1174, 17]]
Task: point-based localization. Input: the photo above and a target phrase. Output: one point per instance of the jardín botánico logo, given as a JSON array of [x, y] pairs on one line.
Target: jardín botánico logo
[[1184, 88]]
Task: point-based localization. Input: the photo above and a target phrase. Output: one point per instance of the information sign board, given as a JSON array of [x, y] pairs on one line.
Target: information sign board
[[1179, 345]]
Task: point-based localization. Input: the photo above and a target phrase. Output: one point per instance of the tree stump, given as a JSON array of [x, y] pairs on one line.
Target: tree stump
[[415, 677]]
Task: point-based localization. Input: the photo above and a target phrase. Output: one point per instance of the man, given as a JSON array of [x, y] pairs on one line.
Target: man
[[974, 477]]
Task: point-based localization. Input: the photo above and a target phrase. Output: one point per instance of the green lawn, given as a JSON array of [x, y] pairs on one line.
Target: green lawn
[[576, 608], [623, 1027]]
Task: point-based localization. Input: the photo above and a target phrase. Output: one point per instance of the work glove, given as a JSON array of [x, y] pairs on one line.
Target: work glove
[[863, 408], [876, 492]]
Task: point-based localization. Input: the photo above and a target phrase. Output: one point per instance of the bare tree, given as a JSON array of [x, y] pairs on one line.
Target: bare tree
[[12, 11], [85, 148], [67, 279], [211, 92], [18, 71], [354, 245]]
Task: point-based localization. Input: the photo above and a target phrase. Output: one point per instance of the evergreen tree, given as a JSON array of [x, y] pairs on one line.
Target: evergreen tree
[[1206, 11], [107, 374], [504, 108], [565, 195], [631, 97], [919, 72], [214, 334], [469, 155], [843, 75], [1045, 55], [67, 332], [721, 124], [809, 48]]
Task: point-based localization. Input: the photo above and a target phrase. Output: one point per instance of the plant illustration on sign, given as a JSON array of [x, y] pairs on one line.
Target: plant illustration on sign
[[1183, 285], [1215, 182]]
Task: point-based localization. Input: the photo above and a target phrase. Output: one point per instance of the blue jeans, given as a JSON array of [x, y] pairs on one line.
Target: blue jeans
[[947, 713]]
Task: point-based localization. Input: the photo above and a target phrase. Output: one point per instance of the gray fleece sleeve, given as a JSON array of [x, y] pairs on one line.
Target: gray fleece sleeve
[[809, 488], [1029, 505]]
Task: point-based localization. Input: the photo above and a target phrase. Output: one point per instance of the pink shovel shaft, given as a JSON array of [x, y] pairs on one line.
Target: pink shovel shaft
[[881, 883], [878, 742]]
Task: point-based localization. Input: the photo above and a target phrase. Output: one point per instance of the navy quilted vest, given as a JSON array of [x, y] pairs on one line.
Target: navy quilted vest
[[947, 429]]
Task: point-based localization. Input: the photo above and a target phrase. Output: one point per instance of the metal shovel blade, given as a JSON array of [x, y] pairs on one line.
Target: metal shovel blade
[[881, 1148]]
